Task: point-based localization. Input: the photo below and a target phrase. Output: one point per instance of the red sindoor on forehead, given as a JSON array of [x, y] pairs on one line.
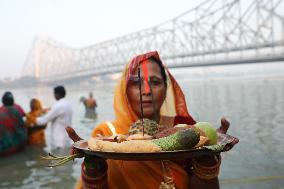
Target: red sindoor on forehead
[[145, 76], [138, 59]]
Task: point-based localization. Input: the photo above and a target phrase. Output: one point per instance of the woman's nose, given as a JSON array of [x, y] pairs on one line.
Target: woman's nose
[[146, 89], [146, 93]]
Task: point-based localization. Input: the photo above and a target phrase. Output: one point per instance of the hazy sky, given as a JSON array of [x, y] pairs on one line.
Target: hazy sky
[[76, 23]]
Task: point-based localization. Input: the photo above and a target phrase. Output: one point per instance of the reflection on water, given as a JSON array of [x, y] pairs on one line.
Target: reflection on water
[[254, 107], [27, 170]]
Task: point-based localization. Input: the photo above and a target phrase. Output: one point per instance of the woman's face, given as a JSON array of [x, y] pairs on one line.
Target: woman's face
[[157, 84]]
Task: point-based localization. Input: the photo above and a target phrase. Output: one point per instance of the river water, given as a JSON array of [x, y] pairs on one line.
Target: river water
[[251, 97]]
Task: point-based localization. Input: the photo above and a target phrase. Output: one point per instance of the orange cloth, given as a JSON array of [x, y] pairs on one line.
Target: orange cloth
[[35, 136], [139, 174]]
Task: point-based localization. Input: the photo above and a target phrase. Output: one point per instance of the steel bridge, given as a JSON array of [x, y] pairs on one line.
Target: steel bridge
[[216, 32]]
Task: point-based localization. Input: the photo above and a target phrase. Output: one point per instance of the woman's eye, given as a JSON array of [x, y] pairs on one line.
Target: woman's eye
[[155, 82], [134, 83]]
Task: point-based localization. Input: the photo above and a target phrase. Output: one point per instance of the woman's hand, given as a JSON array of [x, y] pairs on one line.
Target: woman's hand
[[94, 169], [72, 134], [225, 124], [211, 163], [75, 137]]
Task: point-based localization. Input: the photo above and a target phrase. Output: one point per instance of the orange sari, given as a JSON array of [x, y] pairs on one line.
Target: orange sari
[[35, 136], [142, 174]]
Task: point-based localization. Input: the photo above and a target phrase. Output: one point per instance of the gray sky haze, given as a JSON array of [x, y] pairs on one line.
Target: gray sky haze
[[75, 23]]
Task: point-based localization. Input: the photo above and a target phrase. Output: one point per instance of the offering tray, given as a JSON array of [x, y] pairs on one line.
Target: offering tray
[[82, 146]]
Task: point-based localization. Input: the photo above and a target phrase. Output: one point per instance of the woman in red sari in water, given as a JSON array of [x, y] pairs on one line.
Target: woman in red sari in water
[[13, 135], [168, 99]]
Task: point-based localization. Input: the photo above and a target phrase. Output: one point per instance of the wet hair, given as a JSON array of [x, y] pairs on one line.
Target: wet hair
[[163, 71], [8, 99], [33, 100], [60, 90]]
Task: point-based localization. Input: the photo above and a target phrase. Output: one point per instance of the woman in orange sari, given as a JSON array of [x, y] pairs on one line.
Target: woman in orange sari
[[162, 99], [35, 133]]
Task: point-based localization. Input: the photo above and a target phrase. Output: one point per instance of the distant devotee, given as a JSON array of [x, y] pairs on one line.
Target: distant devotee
[[13, 135], [35, 132], [59, 117], [90, 106]]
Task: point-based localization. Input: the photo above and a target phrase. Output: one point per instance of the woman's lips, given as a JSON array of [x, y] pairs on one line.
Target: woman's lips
[[146, 103]]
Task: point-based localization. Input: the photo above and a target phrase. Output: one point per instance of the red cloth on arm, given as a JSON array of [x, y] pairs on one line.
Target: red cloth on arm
[[184, 120]]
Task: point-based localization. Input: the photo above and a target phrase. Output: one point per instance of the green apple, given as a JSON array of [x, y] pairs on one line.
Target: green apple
[[209, 131]]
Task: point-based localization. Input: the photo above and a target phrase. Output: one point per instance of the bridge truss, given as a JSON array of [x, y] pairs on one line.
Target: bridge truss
[[215, 32]]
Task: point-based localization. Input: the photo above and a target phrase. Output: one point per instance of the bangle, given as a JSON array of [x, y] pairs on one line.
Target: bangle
[[95, 181], [168, 182], [206, 172]]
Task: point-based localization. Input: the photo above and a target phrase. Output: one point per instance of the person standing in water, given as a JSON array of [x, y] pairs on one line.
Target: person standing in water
[[59, 117], [90, 106], [13, 135], [36, 134]]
